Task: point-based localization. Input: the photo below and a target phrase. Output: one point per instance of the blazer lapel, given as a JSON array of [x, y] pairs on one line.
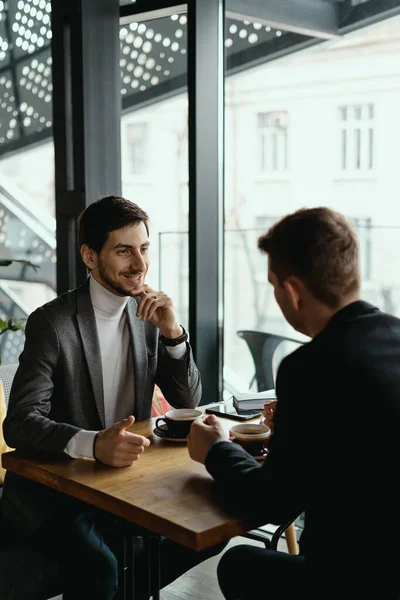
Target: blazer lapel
[[139, 352], [91, 346]]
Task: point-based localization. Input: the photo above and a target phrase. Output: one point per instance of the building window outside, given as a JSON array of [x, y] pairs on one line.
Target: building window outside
[[137, 141], [357, 137], [272, 130]]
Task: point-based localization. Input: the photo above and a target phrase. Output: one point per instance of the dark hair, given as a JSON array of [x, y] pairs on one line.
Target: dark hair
[[105, 215], [318, 246]]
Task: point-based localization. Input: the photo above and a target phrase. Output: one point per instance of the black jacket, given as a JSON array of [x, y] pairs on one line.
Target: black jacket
[[334, 455]]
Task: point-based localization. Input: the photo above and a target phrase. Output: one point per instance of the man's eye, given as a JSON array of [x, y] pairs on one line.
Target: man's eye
[[123, 251], [145, 249]]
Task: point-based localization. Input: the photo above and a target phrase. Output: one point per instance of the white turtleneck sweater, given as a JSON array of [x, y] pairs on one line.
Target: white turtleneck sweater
[[116, 363]]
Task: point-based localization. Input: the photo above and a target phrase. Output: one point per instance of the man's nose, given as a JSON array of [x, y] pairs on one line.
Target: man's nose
[[137, 262]]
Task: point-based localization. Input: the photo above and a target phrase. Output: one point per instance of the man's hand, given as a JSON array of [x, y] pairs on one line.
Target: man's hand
[[117, 447], [203, 433], [269, 414], [157, 307]]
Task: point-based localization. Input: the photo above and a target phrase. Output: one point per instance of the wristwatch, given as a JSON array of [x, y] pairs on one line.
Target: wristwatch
[[174, 341]]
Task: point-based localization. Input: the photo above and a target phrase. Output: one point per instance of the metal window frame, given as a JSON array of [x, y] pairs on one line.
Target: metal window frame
[[206, 81], [352, 18], [85, 92]]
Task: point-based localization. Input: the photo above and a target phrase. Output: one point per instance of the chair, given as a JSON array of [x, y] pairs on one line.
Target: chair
[[7, 373], [159, 405], [20, 561], [262, 346]]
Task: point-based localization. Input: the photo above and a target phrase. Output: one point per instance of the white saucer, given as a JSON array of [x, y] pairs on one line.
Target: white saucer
[[162, 433]]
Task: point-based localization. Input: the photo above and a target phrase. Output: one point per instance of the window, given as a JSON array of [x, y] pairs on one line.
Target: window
[[137, 136], [272, 128], [357, 137], [163, 193]]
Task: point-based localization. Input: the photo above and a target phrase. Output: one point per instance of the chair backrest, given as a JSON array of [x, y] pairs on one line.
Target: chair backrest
[[262, 346], [7, 373]]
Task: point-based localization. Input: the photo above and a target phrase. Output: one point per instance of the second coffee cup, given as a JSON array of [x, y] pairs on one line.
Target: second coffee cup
[[252, 437], [178, 421]]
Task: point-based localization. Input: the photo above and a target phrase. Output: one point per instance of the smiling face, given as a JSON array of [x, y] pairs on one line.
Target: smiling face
[[122, 263]]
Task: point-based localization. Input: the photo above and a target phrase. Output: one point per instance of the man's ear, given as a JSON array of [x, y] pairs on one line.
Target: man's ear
[[294, 292], [89, 256]]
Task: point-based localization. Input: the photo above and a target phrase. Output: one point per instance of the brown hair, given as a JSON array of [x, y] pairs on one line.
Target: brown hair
[[105, 215], [318, 246]]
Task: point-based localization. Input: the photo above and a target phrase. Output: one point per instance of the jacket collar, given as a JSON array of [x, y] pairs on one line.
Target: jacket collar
[[348, 313], [91, 345]]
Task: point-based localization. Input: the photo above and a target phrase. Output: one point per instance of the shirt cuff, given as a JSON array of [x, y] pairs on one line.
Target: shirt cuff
[[81, 444], [178, 351]]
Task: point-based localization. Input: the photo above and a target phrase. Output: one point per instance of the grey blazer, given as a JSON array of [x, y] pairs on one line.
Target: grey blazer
[[58, 390]]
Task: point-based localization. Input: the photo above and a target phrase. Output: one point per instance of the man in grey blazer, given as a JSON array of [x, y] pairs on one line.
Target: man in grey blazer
[[87, 371]]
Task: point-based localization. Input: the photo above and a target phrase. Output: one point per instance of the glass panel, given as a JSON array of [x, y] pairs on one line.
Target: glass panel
[[27, 232], [27, 224], [258, 134], [174, 271], [328, 126], [153, 60], [154, 153]]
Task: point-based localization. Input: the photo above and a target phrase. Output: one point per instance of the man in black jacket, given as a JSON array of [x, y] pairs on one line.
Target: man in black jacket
[[335, 450]]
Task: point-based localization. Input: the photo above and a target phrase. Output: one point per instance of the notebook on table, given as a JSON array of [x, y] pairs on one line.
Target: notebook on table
[[252, 401]]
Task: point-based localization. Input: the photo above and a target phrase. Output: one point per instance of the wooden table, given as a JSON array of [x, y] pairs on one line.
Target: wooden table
[[164, 492]]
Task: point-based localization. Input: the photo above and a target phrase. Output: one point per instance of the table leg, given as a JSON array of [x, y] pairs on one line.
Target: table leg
[[125, 568], [153, 546], [130, 557]]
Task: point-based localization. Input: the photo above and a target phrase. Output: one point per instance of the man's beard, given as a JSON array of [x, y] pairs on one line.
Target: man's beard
[[119, 289]]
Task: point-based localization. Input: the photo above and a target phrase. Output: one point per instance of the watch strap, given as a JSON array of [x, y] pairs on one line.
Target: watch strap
[[174, 341]]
